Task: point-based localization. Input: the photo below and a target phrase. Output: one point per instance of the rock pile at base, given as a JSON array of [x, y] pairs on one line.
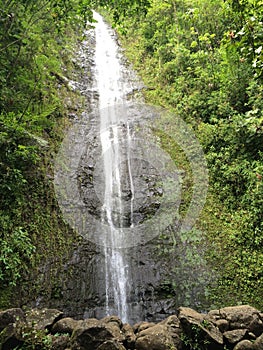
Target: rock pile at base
[[231, 328]]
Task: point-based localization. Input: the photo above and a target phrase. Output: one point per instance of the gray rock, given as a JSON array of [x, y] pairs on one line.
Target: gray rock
[[10, 316], [174, 328], [214, 314], [256, 325], [60, 342], [235, 336], [65, 325], [172, 321], [223, 325], [242, 316], [237, 317], [112, 319], [43, 318], [140, 326], [111, 345], [251, 336], [10, 338], [114, 324], [244, 345], [193, 322], [129, 336], [189, 316], [155, 338], [258, 345], [92, 333]]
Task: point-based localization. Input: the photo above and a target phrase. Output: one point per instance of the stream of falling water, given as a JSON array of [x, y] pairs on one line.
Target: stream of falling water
[[119, 190], [114, 131]]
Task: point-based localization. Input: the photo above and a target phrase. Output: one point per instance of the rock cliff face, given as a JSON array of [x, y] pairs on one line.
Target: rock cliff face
[[165, 272], [231, 328], [78, 287]]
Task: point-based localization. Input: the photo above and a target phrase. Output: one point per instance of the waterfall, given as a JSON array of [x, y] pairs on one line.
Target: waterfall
[[114, 132], [121, 192]]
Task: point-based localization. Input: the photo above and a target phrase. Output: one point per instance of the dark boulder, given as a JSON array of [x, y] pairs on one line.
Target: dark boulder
[[200, 327], [10, 316]]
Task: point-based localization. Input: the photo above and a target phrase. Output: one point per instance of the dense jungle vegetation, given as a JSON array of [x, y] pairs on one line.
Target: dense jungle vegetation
[[37, 39], [201, 59]]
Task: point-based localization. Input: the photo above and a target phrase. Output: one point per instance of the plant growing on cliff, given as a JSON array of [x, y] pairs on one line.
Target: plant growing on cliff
[[16, 252], [203, 60], [36, 38]]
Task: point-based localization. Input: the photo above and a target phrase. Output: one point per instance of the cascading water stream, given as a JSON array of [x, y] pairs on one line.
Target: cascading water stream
[[111, 91], [119, 190]]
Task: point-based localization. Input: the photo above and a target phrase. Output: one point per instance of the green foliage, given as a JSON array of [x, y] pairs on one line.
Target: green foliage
[[18, 153], [124, 8], [34, 338], [247, 36], [196, 339], [16, 254], [203, 60], [36, 44], [30, 34]]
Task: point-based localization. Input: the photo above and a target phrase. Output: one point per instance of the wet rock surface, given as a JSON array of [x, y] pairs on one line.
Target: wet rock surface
[[77, 285], [186, 330]]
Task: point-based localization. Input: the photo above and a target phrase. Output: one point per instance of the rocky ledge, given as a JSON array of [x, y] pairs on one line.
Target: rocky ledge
[[229, 328]]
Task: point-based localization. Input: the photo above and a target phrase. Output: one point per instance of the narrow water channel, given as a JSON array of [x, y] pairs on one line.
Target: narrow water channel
[[114, 137]]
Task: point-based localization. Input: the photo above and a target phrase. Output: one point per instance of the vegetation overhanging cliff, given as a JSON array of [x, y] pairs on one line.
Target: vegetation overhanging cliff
[[200, 59]]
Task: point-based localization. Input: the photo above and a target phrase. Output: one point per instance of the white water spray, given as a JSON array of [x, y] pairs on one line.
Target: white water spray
[[112, 92]]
